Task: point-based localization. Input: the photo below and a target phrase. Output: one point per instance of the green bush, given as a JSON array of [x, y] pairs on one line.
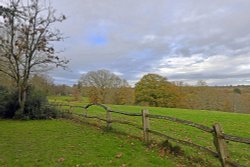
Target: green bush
[[8, 103], [36, 106]]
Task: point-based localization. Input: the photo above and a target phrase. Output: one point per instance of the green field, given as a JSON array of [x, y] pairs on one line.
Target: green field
[[232, 123], [68, 143], [65, 143]]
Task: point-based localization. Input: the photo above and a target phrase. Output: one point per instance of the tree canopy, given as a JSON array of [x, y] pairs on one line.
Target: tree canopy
[[26, 42], [102, 79], [155, 90], [101, 83]]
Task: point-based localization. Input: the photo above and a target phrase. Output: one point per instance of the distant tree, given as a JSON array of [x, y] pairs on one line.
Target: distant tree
[[93, 95], [26, 42], [42, 82], [201, 83], [180, 83], [155, 90], [62, 90], [101, 82], [124, 95], [76, 93]]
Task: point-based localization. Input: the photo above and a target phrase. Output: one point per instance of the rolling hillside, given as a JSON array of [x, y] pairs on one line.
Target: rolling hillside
[[232, 123]]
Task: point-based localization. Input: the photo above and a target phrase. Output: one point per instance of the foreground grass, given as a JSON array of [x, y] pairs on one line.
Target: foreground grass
[[232, 123], [64, 143]]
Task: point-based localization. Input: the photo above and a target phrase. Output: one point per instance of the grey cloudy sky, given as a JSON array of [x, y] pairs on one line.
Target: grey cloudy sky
[[184, 40]]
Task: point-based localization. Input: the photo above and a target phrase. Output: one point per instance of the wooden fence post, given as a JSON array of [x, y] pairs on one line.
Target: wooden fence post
[[145, 124], [108, 117], [220, 145]]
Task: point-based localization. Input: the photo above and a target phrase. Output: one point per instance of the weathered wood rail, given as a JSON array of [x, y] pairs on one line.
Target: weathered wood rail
[[219, 137]]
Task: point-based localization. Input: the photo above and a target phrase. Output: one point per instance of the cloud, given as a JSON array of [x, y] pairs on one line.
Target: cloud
[[182, 40], [215, 69], [148, 38], [118, 73]]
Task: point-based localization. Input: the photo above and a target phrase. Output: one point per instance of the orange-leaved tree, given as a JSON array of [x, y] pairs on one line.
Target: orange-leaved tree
[[155, 90]]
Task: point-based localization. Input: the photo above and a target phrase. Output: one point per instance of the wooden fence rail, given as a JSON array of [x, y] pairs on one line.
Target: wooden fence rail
[[185, 122], [219, 136], [236, 139]]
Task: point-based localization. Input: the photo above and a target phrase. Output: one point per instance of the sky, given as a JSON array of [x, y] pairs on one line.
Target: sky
[[183, 40]]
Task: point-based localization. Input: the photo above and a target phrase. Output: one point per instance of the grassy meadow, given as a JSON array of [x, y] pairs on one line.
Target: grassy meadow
[[65, 143], [189, 54], [232, 123]]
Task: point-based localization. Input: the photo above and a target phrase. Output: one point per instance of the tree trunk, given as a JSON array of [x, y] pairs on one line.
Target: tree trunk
[[23, 102], [22, 97]]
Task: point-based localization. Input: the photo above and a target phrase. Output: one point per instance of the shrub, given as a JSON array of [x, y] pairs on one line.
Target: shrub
[[36, 106], [8, 102]]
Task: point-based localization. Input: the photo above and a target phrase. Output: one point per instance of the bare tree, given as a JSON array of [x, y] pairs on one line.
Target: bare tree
[[201, 83], [26, 42], [102, 81]]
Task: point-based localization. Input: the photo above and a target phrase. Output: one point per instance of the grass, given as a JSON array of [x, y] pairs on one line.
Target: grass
[[232, 123], [65, 143]]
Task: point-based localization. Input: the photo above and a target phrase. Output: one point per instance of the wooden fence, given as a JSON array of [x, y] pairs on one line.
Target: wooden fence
[[219, 137]]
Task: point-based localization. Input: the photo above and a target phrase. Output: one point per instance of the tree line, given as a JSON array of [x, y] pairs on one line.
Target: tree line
[[103, 86]]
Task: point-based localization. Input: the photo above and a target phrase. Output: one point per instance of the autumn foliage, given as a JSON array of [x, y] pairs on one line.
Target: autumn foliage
[[155, 90], [103, 86]]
